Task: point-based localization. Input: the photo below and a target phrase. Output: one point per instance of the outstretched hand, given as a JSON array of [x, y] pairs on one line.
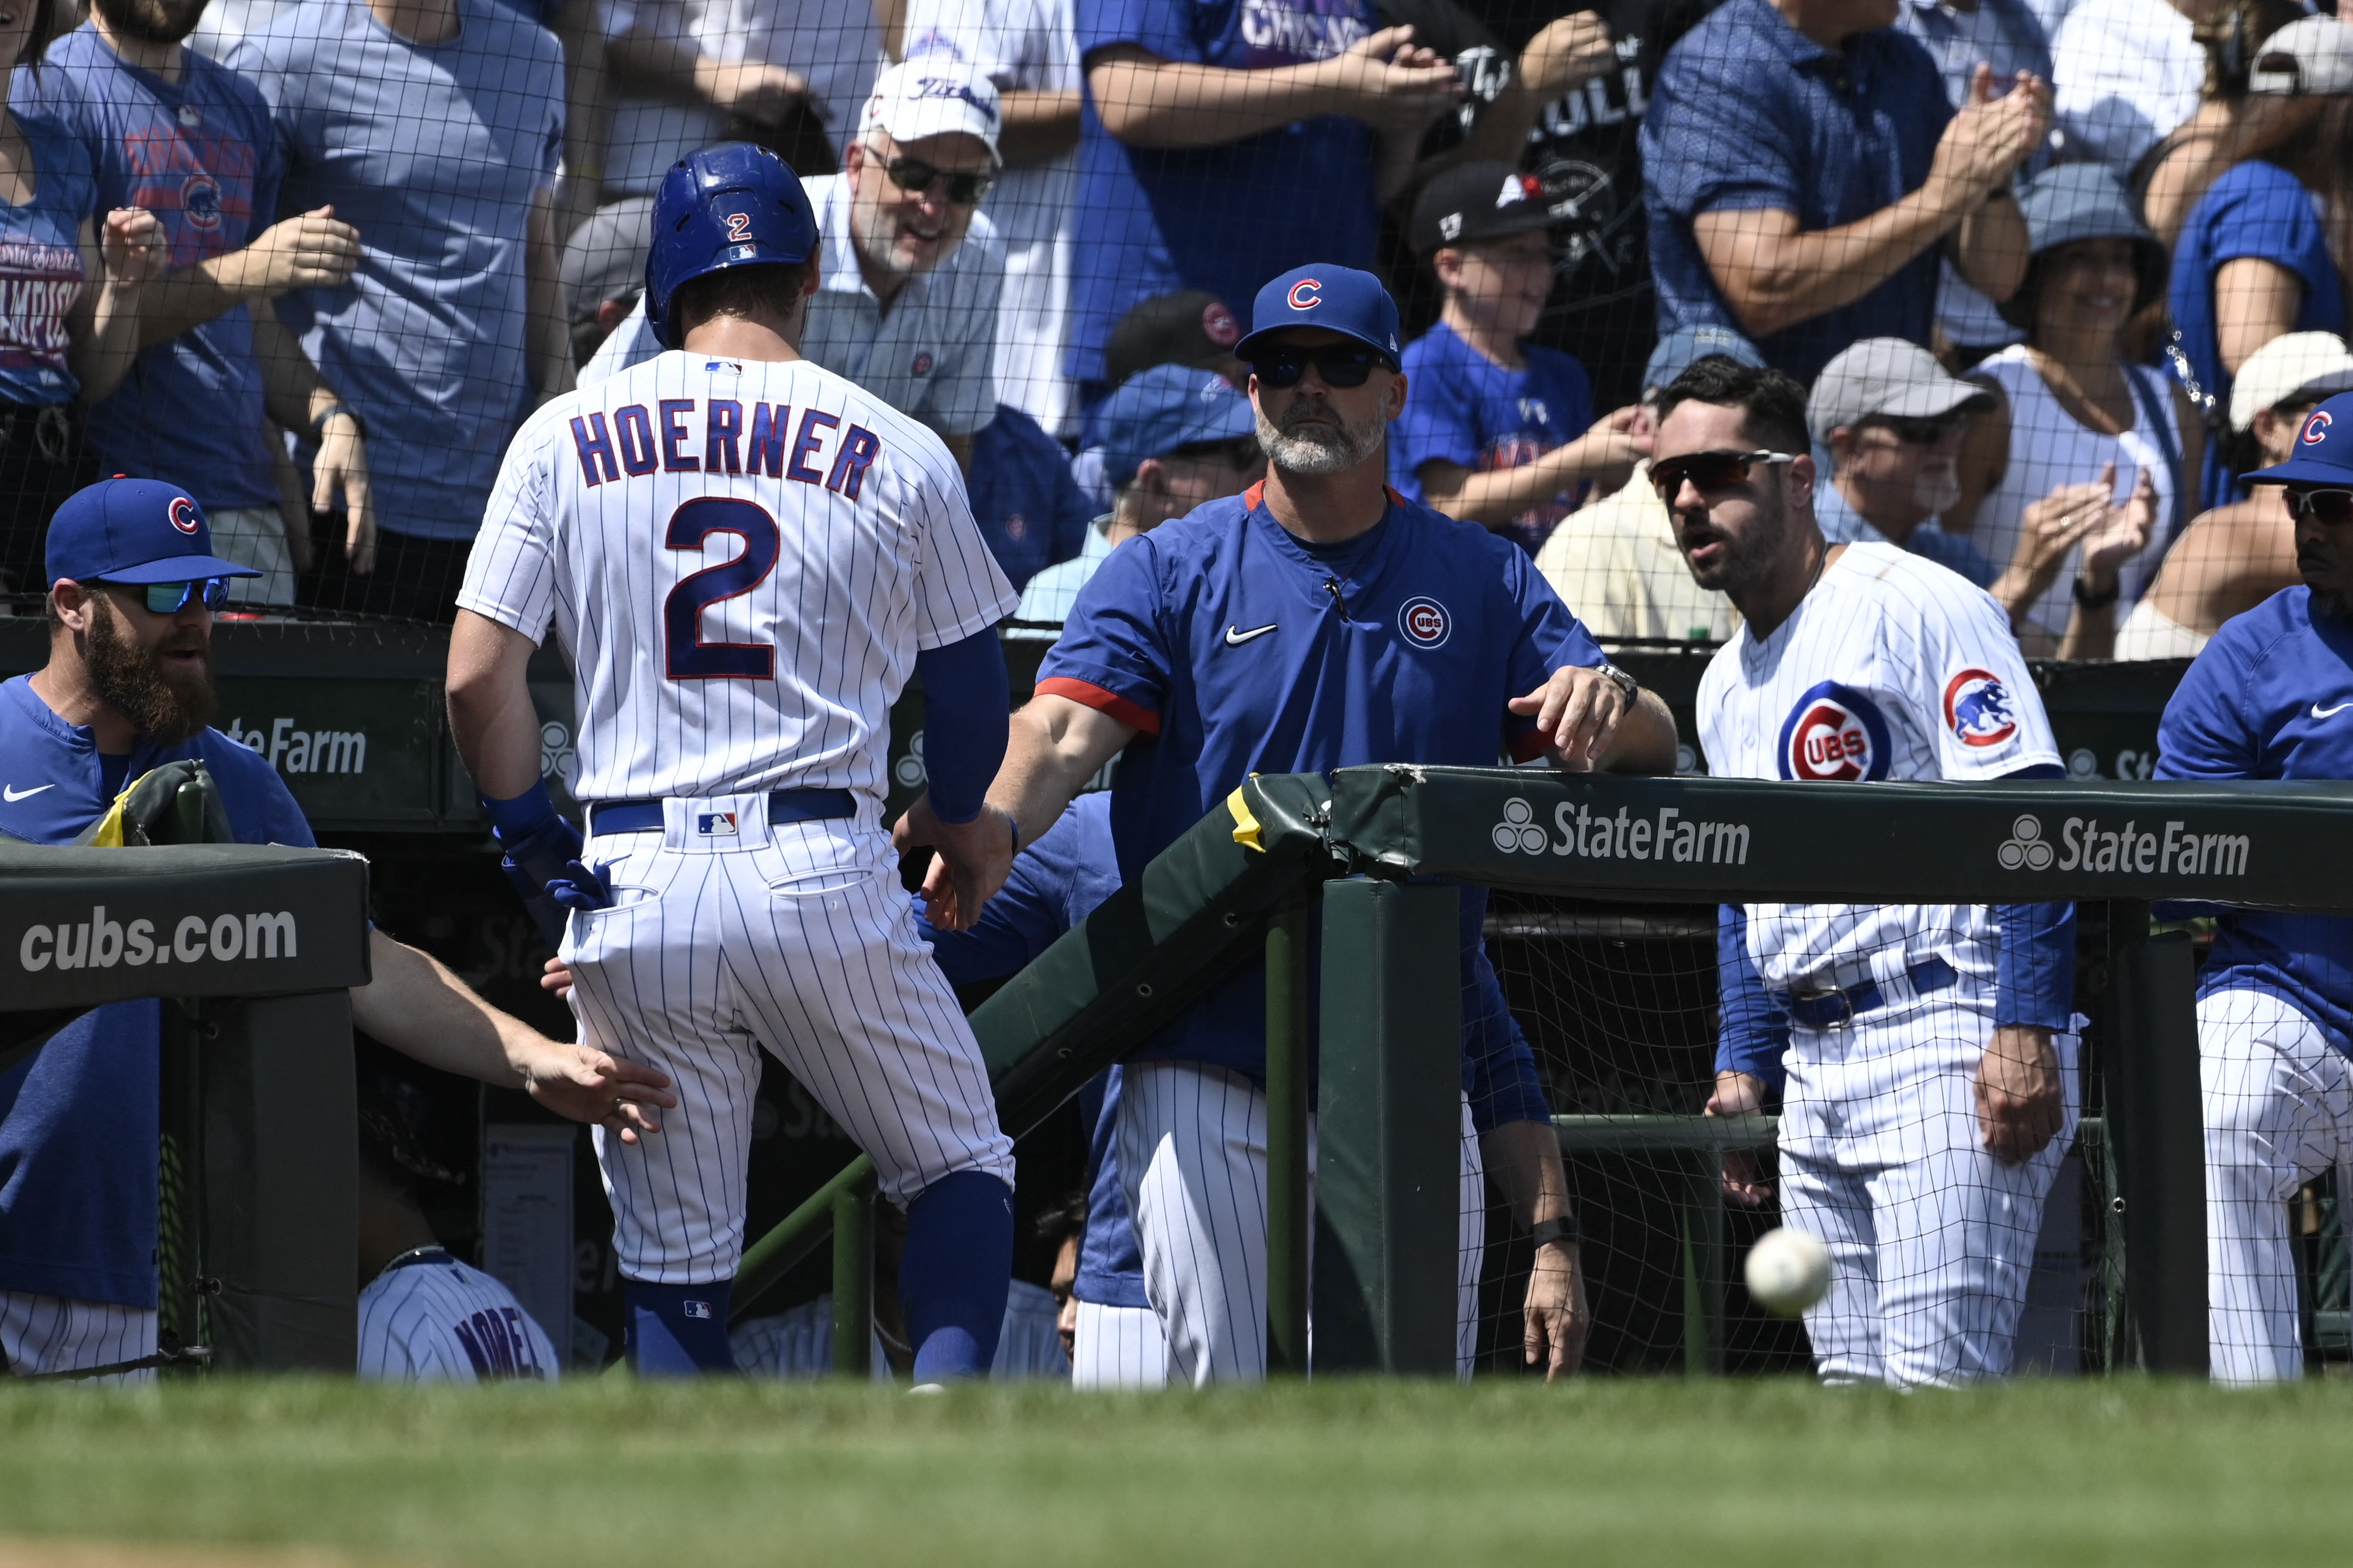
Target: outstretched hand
[[974, 859], [589, 1085]]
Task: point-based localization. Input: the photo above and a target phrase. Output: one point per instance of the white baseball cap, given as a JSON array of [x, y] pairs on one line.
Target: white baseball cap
[[2310, 59], [934, 96], [2297, 367]]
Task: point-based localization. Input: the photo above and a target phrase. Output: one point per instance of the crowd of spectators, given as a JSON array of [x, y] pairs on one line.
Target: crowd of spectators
[[2058, 271]]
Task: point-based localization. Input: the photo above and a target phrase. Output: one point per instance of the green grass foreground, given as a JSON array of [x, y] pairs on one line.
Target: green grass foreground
[[1361, 1473]]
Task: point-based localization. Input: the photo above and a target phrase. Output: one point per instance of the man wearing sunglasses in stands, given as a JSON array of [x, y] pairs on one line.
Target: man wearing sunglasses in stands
[[133, 584], [1317, 620], [2271, 696], [910, 267]]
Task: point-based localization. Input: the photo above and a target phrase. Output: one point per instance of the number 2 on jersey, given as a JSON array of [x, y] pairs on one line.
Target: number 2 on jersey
[[686, 657]]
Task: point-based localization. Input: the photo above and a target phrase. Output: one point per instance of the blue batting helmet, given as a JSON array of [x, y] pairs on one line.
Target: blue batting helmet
[[734, 205]]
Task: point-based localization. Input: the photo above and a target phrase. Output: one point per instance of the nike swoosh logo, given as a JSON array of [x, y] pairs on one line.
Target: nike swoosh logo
[[1235, 638], [12, 794], [2317, 712]]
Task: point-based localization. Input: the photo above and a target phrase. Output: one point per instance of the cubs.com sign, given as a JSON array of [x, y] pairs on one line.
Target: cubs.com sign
[[2085, 846], [100, 942]]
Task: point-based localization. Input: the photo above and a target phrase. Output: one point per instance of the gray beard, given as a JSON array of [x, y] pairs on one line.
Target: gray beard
[[1325, 451]]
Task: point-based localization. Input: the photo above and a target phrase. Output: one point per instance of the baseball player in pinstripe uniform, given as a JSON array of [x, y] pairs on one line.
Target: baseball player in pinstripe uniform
[[2272, 698], [1318, 620], [746, 558], [424, 1315], [1930, 1052]]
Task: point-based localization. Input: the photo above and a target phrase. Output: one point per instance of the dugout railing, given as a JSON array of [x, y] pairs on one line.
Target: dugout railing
[[254, 948], [1380, 847]]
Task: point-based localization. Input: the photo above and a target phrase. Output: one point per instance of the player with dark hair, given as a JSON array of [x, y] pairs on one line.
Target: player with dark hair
[[1929, 1051], [1317, 620], [746, 558], [2271, 696]]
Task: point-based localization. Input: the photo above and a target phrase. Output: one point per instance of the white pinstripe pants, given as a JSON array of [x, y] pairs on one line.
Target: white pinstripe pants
[[1192, 1158], [1119, 1347], [55, 1333], [796, 938], [2279, 1111], [1931, 1238]]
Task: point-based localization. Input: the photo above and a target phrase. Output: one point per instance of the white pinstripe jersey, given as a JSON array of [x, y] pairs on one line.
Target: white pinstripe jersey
[[743, 559], [439, 1318], [1891, 668]]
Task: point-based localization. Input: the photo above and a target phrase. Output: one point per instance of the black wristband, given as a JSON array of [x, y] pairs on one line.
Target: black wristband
[[2099, 601], [319, 425], [1565, 1230]]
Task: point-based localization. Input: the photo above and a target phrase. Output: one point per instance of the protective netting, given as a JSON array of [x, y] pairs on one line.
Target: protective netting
[[1949, 1261], [2122, 226]]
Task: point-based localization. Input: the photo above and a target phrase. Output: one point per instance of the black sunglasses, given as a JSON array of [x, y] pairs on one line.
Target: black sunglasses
[[1338, 364], [916, 177], [1917, 432], [1709, 471], [171, 598], [2333, 507]]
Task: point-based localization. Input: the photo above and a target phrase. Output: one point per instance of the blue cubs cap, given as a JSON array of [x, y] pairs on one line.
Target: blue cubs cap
[[733, 204], [134, 530], [1686, 346], [1338, 298], [2324, 449], [1158, 410]]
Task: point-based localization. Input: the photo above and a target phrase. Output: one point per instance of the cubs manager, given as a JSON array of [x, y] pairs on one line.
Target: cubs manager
[[1316, 621], [2271, 696]]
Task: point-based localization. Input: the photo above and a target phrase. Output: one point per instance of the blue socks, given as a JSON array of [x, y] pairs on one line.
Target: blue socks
[[681, 1330], [955, 1274]]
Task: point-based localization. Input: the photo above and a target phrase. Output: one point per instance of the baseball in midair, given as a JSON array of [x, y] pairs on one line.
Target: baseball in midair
[[1788, 1270]]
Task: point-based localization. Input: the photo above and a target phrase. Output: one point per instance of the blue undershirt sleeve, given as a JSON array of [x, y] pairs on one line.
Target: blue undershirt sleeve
[[967, 709], [1753, 1033], [2035, 975]]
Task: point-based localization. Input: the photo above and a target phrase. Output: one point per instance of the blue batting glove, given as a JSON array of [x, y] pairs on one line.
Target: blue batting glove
[[582, 888]]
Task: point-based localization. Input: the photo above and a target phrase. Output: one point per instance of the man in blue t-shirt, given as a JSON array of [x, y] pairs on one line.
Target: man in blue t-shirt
[[133, 584], [1223, 141], [190, 141], [1802, 167], [1499, 431], [1056, 883], [2272, 698], [439, 145], [1316, 621]]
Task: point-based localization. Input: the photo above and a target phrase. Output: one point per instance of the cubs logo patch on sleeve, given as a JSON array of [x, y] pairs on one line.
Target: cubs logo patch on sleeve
[[1833, 735], [1977, 710]]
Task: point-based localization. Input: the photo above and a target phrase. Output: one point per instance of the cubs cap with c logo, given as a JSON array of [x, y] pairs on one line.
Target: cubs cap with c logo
[[1338, 298], [2324, 449], [134, 530]]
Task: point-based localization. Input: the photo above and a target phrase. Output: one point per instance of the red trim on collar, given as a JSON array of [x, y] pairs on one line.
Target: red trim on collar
[[1255, 496]]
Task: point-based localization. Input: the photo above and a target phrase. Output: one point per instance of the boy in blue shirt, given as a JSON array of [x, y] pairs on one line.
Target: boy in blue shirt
[[1496, 430]]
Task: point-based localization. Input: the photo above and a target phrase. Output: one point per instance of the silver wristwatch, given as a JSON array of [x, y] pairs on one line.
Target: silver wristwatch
[[1626, 684]]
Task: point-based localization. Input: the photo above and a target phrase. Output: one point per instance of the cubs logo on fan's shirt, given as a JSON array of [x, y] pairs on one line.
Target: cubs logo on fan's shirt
[[1891, 668]]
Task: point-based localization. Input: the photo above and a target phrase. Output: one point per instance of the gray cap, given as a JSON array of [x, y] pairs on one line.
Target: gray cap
[[1686, 346], [1887, 378], [605, 256], [2082, 201]]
